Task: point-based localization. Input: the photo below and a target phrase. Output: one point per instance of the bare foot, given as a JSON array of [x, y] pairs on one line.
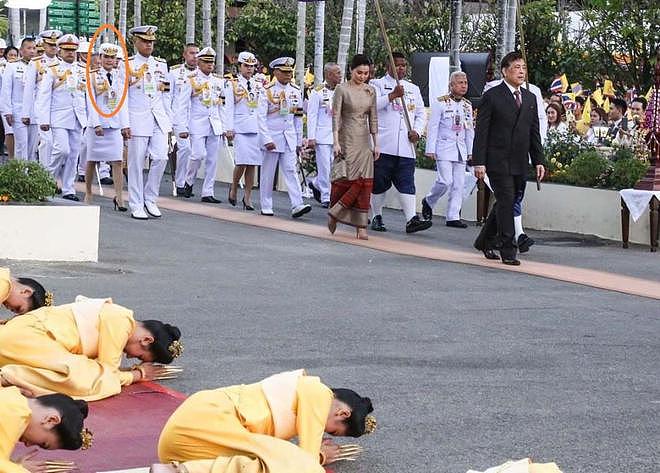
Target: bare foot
[[88, 199]]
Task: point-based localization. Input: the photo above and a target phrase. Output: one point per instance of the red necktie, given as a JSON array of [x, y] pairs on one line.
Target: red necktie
[[516, 94]]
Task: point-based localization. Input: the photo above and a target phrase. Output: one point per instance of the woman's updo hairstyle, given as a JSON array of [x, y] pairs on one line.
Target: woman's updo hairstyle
[[166, 344], [360, 422], [39, 296], [72, 414], [360, 60]]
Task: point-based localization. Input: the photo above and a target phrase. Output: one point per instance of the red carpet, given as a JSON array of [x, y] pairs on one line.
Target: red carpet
[[126, 429]]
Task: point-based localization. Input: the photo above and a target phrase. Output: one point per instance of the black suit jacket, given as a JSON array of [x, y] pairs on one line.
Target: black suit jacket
[[507, 136]]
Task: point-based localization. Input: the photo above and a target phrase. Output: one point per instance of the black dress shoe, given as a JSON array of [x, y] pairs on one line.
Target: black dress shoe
[[377, 224], [427, 211], [181, 191], [81, 179], [316, 192], [456, 224], [490, 254], [511, 261], [209, 199], [524, 242], [187, 191], [325, 205], [416, 224], [72, 197], [107, 181]]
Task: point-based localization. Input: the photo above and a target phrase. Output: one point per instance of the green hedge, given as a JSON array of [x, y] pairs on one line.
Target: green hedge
[[25, 181]]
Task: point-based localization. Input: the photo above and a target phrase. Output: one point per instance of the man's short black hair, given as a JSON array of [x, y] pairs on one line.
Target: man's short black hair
[[27, 39], [641, 100], [620, 104], [398, 55], [509, 58]]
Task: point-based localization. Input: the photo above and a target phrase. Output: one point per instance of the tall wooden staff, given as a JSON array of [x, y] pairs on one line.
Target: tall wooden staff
[[392, 65], [522, 41]]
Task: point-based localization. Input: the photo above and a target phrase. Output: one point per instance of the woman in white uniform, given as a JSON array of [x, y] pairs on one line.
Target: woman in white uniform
[[104, 135], [242, 99]]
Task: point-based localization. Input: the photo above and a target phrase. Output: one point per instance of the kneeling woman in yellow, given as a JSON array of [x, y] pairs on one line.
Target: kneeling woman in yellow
[[50, 422], [246, 428], [21, 295], [76, 349]]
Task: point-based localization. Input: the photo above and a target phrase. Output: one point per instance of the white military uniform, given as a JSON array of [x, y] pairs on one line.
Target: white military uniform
[[61, 104], [150, 124], [449, 136], [11, 103], [319, 128], [280, 122], [37, 137], [108, 87], [241, 104], [197, 112], [7, 127], [178, 77]]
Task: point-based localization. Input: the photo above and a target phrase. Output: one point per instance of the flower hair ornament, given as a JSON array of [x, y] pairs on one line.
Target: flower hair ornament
[[49, 299], [175, 349], [87, 439], [370, 424]]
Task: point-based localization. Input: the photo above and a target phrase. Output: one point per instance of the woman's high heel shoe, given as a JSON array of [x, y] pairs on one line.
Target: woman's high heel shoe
[[246, 206], [231, 201], [332, 224], [117, 206]]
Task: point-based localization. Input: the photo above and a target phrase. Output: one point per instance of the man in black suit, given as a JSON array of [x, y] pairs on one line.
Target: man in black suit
[[506, 137]]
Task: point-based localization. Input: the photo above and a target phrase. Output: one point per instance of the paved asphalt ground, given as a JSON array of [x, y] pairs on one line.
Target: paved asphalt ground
[[467, 367]]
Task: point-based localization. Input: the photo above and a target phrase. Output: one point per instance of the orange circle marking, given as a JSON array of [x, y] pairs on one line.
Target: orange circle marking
[[124, 94]]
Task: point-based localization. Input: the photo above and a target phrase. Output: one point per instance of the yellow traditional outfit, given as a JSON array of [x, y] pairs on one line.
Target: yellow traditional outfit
[[15, 414], [5, 284], [74, 349], [246, 428]]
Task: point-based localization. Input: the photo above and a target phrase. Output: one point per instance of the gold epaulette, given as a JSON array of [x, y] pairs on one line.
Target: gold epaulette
[[191, 75], [466, 100], [444, 98], [294, 85], [177, 66], [37, 58], [319, 87], [160, 59]]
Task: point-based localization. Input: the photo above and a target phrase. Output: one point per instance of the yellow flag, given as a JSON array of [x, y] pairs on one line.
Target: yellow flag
[[564, 83], [586, 112], [598, 97], [608, 88], [309, 77], [606, 105]]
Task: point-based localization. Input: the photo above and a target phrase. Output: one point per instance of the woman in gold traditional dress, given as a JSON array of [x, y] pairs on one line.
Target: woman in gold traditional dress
[[50, 422], [76, 349], [21, 295], [355, 132], [246, 428]]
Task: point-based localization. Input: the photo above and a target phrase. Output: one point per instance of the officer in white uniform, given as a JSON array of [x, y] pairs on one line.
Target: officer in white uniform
[[177, 78], [397, 145], [61, 106], [319, 130], [197, 115], [241, 117], [149, 117], [11, 97], [280, 129], [35, 72], [104, 135], [449, 142], [6, 129]]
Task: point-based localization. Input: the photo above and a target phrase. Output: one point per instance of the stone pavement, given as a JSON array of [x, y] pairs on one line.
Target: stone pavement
[[466, 366]]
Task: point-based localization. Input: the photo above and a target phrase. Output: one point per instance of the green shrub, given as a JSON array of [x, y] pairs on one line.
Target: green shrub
[[627, 172], [565, 147], [589, 169], [623, 153], [422, 161], [25, 181]]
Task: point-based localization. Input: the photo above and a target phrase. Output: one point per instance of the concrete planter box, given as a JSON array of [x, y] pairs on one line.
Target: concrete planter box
[[53, 231]]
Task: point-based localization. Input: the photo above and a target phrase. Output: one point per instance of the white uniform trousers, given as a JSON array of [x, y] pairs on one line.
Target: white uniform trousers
[[45, 148], [203, 148], [33, 141], [450, 177], [64, 159], [20, 140], [287, 162], [183, 151], [139, 147], [323, 162]]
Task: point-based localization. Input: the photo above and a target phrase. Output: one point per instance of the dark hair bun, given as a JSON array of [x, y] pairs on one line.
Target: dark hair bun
[[367, 404], [173, 330], [360, 60], [360, 408], [164, 335], [84, 408]]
